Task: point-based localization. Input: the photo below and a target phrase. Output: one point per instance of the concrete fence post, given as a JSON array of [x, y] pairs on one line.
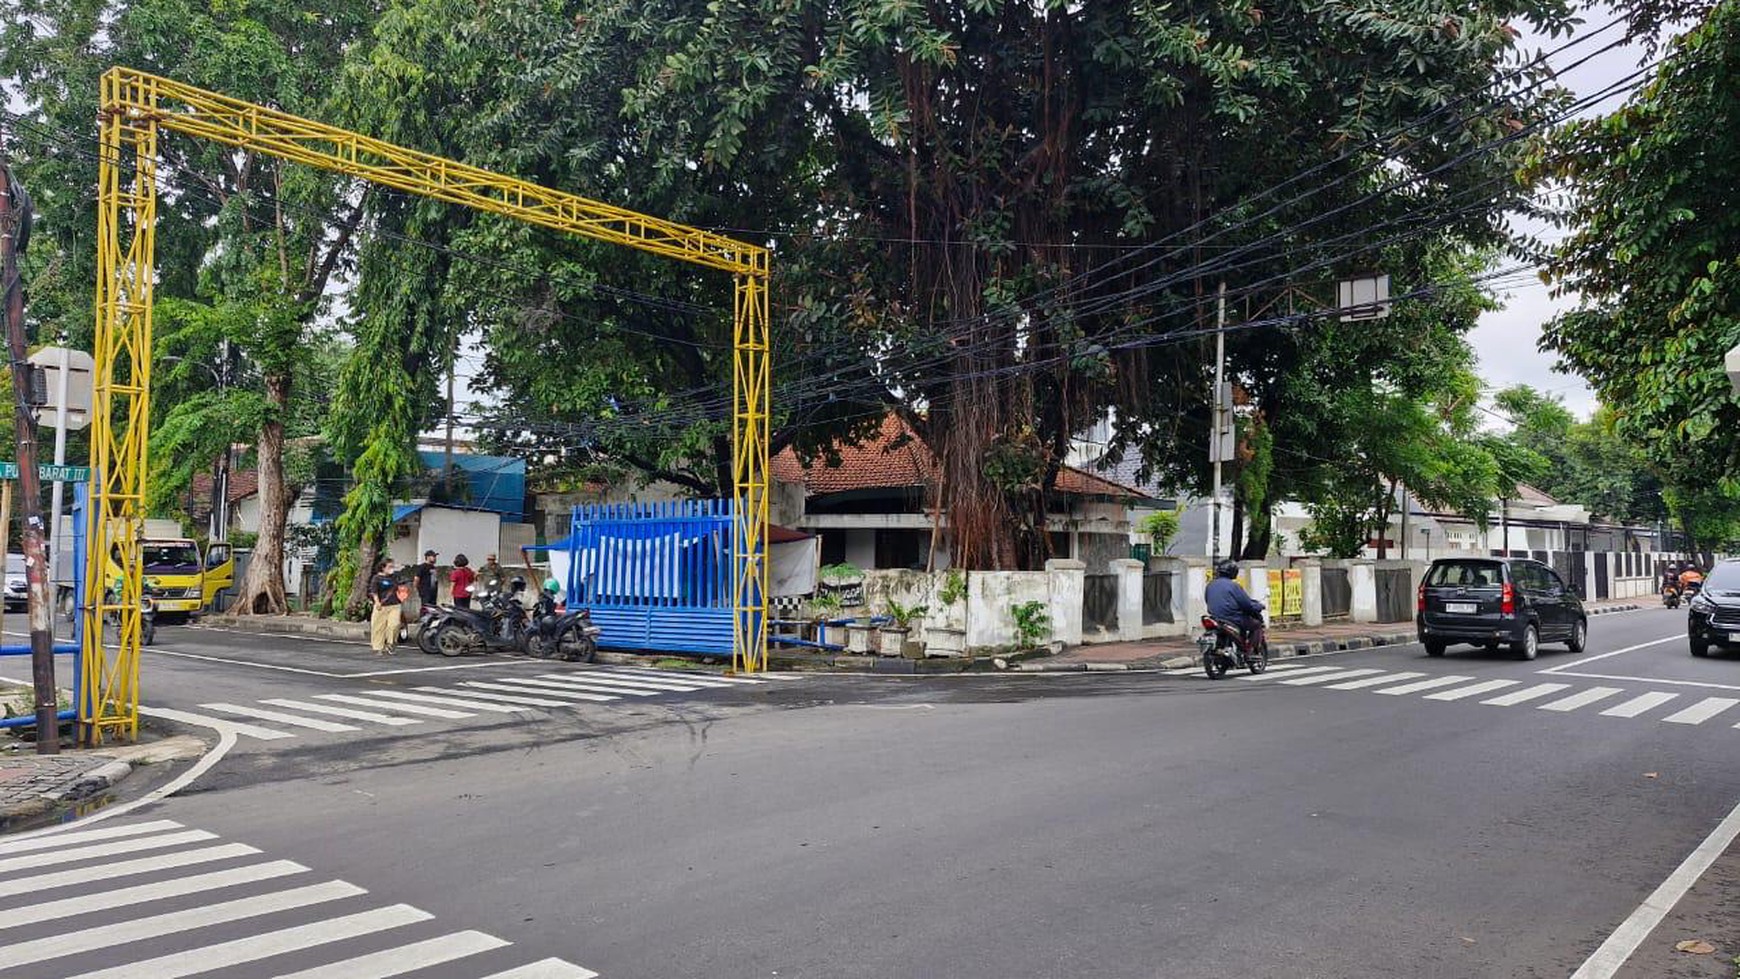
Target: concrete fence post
[[1195, 580], [1129, 572], [1068, 584], [1362, 577], [1256, 575], [1311, 588]]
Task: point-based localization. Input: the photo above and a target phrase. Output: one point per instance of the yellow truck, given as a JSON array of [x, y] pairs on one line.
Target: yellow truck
[[182, 578]]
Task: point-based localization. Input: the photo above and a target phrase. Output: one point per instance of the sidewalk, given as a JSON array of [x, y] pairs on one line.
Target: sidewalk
[[1179, 652]]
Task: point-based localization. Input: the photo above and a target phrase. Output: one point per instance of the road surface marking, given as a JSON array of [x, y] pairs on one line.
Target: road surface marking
[[1617, 652], [418, 709], [355, 715], [1295, 672], [546, 969], [405, 958], [1526, 694], [52, 857], [713, 678], [549, 680], [1300, 681], [635, 683], [1372, 681], [279, 717], [1619, 946], [1705, 684], [1639, 704], [498, 698], [1581, 700], [447, 701], [142, 893], [126, 868], [234, 727], [1701, 711], [257, 947], [1435, 682], [1474, 691], [88, 836], [175, 922], [596, 698]]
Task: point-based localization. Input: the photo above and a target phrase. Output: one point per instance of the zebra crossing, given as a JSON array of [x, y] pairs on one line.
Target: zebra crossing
[[280, 718], [1689, 709], [153, 899]]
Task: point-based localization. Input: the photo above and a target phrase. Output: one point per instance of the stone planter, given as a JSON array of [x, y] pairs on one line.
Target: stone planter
[[893, 641], [859, 637]]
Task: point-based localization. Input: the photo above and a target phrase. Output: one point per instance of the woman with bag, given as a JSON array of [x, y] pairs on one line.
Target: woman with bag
[[384, 623]]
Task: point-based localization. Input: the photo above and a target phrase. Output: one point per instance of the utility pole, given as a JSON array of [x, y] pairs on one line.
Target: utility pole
[[14, 217], [220, 484], [1216, 451]]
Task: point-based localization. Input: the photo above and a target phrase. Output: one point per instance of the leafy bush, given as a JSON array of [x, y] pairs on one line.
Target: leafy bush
[[1032, 622], [1161, 526], [954, 587], [904, 614]]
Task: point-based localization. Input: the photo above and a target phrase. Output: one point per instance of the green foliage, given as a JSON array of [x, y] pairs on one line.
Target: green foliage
[[954, 587], [825, 604], [243, 540], [1652, 255], [1032, 623], [1161, 526], [904, 614], [845, 571]]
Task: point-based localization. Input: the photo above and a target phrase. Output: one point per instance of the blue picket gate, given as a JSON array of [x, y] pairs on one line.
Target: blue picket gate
[[655, 575]]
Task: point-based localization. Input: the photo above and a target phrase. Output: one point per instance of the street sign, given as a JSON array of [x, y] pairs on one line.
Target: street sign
[[69, 375], [50, 474], [1363, 299], [1733, 365]]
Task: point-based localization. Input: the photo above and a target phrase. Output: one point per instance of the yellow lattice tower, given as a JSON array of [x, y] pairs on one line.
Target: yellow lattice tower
[[135, 105]]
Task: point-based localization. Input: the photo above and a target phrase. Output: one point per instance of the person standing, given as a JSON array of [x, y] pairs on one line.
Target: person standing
[[491, 575], [428, 578], [384, 623], [462, 578]]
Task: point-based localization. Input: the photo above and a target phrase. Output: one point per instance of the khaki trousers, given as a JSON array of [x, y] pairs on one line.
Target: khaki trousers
[[384, 629]]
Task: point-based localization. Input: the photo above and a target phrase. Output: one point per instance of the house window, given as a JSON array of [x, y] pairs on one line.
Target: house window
[[901, 548], [833, 547], [1062, 544]]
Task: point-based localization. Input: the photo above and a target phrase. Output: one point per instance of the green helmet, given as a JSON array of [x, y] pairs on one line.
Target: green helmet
[[552, 586]]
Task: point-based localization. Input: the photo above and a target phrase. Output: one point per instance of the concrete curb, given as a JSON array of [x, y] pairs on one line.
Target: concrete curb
[[290, 625]]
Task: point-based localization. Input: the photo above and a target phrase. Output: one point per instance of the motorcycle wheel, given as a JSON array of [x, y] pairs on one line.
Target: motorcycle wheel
[[540, 647], [451, 640], [1258, 660], [426, 637], [1213, 665], [576, 646]]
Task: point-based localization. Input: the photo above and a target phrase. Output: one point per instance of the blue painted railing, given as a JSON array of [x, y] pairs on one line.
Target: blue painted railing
[[76, 646], [655, 575]]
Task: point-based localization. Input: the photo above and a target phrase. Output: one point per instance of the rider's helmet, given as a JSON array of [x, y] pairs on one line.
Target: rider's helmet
[[1227, 569], [552, 586], [517, 585]]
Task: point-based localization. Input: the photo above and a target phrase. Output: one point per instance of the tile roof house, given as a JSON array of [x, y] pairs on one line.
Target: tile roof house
[[873, 507]]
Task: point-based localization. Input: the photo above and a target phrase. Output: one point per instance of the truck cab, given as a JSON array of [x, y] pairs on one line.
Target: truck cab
[[180, 578]]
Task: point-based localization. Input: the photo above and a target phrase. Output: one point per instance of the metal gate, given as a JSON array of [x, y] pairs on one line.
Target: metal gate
[[1337, 593], [1156, 597], [655, 575], [1395, 600], [1099, 603]]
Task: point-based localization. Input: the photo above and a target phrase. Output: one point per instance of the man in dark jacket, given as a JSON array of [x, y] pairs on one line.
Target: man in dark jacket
[[1227, 601]]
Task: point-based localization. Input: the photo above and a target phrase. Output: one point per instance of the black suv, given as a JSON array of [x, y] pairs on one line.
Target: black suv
[[1493, 601], [1713, 617]]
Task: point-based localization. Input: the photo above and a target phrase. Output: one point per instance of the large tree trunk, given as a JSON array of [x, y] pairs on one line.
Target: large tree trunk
[[356, 605], [262, 591]]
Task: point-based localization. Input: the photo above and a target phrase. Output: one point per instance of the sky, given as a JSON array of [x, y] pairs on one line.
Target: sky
[[1507, 341]]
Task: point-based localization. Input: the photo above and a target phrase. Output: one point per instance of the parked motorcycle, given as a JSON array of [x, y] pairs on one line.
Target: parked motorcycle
[[568, 635], [429, 621], [1224, 648], [499, 623]]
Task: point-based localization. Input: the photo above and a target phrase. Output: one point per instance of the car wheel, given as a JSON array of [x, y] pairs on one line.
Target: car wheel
[[1579, 636], [1530, 645], [1700, 648], [1434, 648]]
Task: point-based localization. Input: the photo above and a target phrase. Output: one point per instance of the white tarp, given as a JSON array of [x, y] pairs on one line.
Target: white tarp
[[792, 570]]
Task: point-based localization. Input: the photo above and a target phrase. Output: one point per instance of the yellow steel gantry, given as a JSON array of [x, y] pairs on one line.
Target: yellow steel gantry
[[135, 106]]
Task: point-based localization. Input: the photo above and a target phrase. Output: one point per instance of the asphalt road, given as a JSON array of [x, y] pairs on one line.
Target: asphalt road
[[1000, 826]]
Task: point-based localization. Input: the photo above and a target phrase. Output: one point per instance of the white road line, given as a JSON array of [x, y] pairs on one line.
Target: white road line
[[596, 698], [1372, 681], [253, 949], [713, 678], [1580, 700], [1432, 684], [124, 868], [587, 685], [355, 715], [1611, 956], [218, 723], [1701, 711], [499, 698], [1278, 667], [1474, 691], [1527, 694], [546, 969], [1639, 704], [1298, 672], [598, 680], [1617, 652], [1703, 684], [139, 894], [447, 701], [88, 836], [405, 958], [95, 850], [418, 709], [1300, 681], [279, 717], [175, 922]]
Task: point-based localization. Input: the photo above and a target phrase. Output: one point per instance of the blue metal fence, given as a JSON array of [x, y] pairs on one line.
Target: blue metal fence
[[81, 500], [655, 575]]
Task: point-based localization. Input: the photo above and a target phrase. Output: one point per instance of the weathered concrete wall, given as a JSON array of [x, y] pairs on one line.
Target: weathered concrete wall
[[1067, 581], [990, 594]]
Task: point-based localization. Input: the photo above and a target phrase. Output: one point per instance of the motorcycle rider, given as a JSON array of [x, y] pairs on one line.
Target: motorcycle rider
[[1228, 602]]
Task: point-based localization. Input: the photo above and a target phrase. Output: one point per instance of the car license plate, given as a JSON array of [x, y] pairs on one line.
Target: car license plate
[[1461, 608]]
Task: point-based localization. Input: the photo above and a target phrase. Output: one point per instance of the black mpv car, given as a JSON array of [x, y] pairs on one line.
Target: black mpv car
[[1713, 616], [1490, 601]]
